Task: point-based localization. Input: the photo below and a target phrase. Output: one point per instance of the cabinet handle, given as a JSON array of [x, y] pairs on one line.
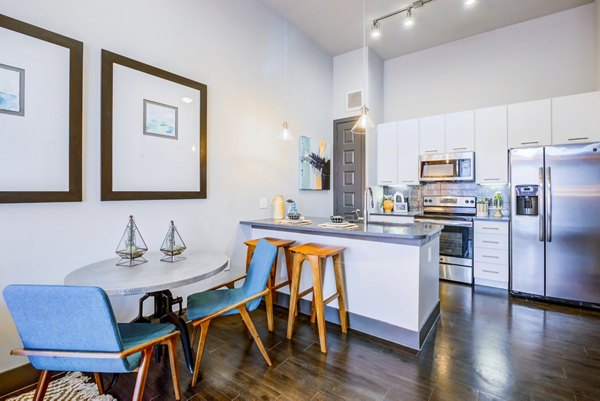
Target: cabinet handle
[[490, 257], [386, 181], [407, 181], [459, 148], [490, 228], [490, 242], [529, 143], [431, 151], [578, 139], [490, 271], [491, 179]]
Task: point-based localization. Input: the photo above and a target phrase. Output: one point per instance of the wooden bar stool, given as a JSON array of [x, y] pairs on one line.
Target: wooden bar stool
[[280, 244], [317, 254]]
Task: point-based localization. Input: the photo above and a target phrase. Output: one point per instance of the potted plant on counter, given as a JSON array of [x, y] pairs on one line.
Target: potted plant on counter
[[498, 202], [482, 207]]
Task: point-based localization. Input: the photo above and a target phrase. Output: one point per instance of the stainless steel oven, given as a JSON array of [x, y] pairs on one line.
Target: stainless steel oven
[[447, 167], [456, 239]]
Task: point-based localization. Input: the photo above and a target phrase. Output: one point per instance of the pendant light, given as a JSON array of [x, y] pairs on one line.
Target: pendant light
[[285, 134], [364, 123]]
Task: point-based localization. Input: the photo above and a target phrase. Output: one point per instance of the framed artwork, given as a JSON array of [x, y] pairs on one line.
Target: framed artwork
[[153, 132], [160, 119], [315, 164], [12, 90], [40, 146]]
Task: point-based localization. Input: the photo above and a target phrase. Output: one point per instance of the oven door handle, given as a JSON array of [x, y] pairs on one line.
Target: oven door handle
[[447, 222]]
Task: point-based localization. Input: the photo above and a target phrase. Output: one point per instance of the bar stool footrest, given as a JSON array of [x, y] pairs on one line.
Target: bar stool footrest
[[331, 298]]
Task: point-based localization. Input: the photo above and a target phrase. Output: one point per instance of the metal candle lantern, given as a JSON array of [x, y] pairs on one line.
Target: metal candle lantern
[[172, 245], [131, 246]]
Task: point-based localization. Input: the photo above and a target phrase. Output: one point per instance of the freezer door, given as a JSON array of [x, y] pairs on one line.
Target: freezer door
[[573, 222], [527, 242]]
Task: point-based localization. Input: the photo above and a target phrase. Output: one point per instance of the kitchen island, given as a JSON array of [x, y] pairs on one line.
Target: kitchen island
[[391, 271]]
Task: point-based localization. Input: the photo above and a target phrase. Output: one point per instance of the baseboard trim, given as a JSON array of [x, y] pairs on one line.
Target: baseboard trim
[[367, 325], [17, 379]]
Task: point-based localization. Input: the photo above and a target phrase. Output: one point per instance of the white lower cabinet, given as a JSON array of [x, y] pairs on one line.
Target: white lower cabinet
[[491, 253]]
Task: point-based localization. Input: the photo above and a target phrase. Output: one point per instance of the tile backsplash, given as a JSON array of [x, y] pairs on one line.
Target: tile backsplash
[[415, 193]]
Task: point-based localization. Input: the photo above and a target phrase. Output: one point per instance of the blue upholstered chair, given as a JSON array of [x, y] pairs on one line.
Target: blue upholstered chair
[[71, 328], [204, 306]]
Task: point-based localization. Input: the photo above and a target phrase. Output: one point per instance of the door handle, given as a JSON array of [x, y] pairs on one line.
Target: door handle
[[541, 233], [548, 205]]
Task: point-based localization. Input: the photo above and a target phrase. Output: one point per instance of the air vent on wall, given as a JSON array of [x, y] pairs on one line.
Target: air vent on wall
[[354, 100]]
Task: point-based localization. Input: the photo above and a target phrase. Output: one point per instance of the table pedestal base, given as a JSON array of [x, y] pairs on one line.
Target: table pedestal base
[[163, 313]]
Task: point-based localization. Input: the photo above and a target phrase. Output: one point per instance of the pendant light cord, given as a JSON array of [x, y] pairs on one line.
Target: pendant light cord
[[365, 67], [285, 56]]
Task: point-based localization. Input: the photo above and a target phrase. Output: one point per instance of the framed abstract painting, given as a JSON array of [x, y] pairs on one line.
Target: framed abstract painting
[[41, 94], [315, 164], [153, 132]]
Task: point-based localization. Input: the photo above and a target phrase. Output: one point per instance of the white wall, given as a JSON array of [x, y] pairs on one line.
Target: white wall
[[236, 48], [597, 44], [348, 76], [549, 56]]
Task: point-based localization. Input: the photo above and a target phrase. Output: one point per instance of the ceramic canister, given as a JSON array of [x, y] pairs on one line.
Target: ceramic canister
[[278, 208]]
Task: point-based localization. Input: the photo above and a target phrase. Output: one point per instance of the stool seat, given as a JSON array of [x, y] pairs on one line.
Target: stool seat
[[316, 255], [322, 251], [279, 243]]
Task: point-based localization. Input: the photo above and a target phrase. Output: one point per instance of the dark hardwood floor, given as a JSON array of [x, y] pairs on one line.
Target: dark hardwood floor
[[486, 346]]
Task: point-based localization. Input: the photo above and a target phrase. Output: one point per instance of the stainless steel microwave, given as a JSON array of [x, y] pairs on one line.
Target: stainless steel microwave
[[447, 167]]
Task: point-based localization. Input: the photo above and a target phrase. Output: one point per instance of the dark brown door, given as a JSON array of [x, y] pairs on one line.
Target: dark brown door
[[348, 168]]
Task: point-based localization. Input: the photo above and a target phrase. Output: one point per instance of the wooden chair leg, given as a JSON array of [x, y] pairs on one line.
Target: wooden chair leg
[[246, 318], [98, 380], [340, 287], [200, 351], [295, 284], [269, 302], [42, 386], [288, 262], [140, 381], [172, 344], [193, 336], [316, 265], [249, 253]]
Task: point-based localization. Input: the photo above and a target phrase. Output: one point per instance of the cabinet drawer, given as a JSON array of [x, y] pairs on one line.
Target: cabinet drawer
[[486, 255], [490, 271], [494, 241], [491, 227]]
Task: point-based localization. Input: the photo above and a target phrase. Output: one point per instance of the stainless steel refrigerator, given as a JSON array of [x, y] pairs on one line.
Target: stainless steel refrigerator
[[555, 222]]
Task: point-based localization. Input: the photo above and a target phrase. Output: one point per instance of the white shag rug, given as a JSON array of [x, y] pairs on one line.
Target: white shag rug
[[74, 386]]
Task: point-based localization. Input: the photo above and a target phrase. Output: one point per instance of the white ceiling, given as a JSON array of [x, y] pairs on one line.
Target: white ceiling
[[336, 24]]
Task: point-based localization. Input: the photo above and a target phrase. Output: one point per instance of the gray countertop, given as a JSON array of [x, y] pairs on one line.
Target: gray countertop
[[411, 234], [504, 219]]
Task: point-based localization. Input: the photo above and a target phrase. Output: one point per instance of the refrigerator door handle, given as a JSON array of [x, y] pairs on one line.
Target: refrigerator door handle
[[541, 217], [548, 205]]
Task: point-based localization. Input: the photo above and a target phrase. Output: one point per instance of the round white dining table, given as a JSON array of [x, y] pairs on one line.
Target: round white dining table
[[152, 276], [155, 279]]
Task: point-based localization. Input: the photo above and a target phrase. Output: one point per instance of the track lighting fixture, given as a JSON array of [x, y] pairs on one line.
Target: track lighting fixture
[[408, 20]]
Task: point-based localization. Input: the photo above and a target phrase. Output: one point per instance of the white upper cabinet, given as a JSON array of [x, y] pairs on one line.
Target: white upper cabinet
[[491, 145], [408, 152], [387, 148], [576, 118], [432, 132], [460, 131], [530, 124]]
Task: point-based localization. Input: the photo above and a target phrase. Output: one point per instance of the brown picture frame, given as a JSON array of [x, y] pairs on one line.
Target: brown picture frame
[[74, 193], [109, 59]]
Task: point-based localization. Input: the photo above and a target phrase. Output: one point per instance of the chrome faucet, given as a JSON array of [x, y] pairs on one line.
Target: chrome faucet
[[368, 194]]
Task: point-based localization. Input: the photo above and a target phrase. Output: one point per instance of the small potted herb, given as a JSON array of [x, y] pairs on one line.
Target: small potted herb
[[387, 203], [498, 202], [482, 207]]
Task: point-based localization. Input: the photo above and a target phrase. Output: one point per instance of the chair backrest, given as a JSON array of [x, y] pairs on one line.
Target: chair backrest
[[65, 318], [258, 272]]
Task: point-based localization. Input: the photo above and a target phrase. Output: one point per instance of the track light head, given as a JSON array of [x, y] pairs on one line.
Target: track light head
[[408, 21], [375, 29], [470, 3]]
